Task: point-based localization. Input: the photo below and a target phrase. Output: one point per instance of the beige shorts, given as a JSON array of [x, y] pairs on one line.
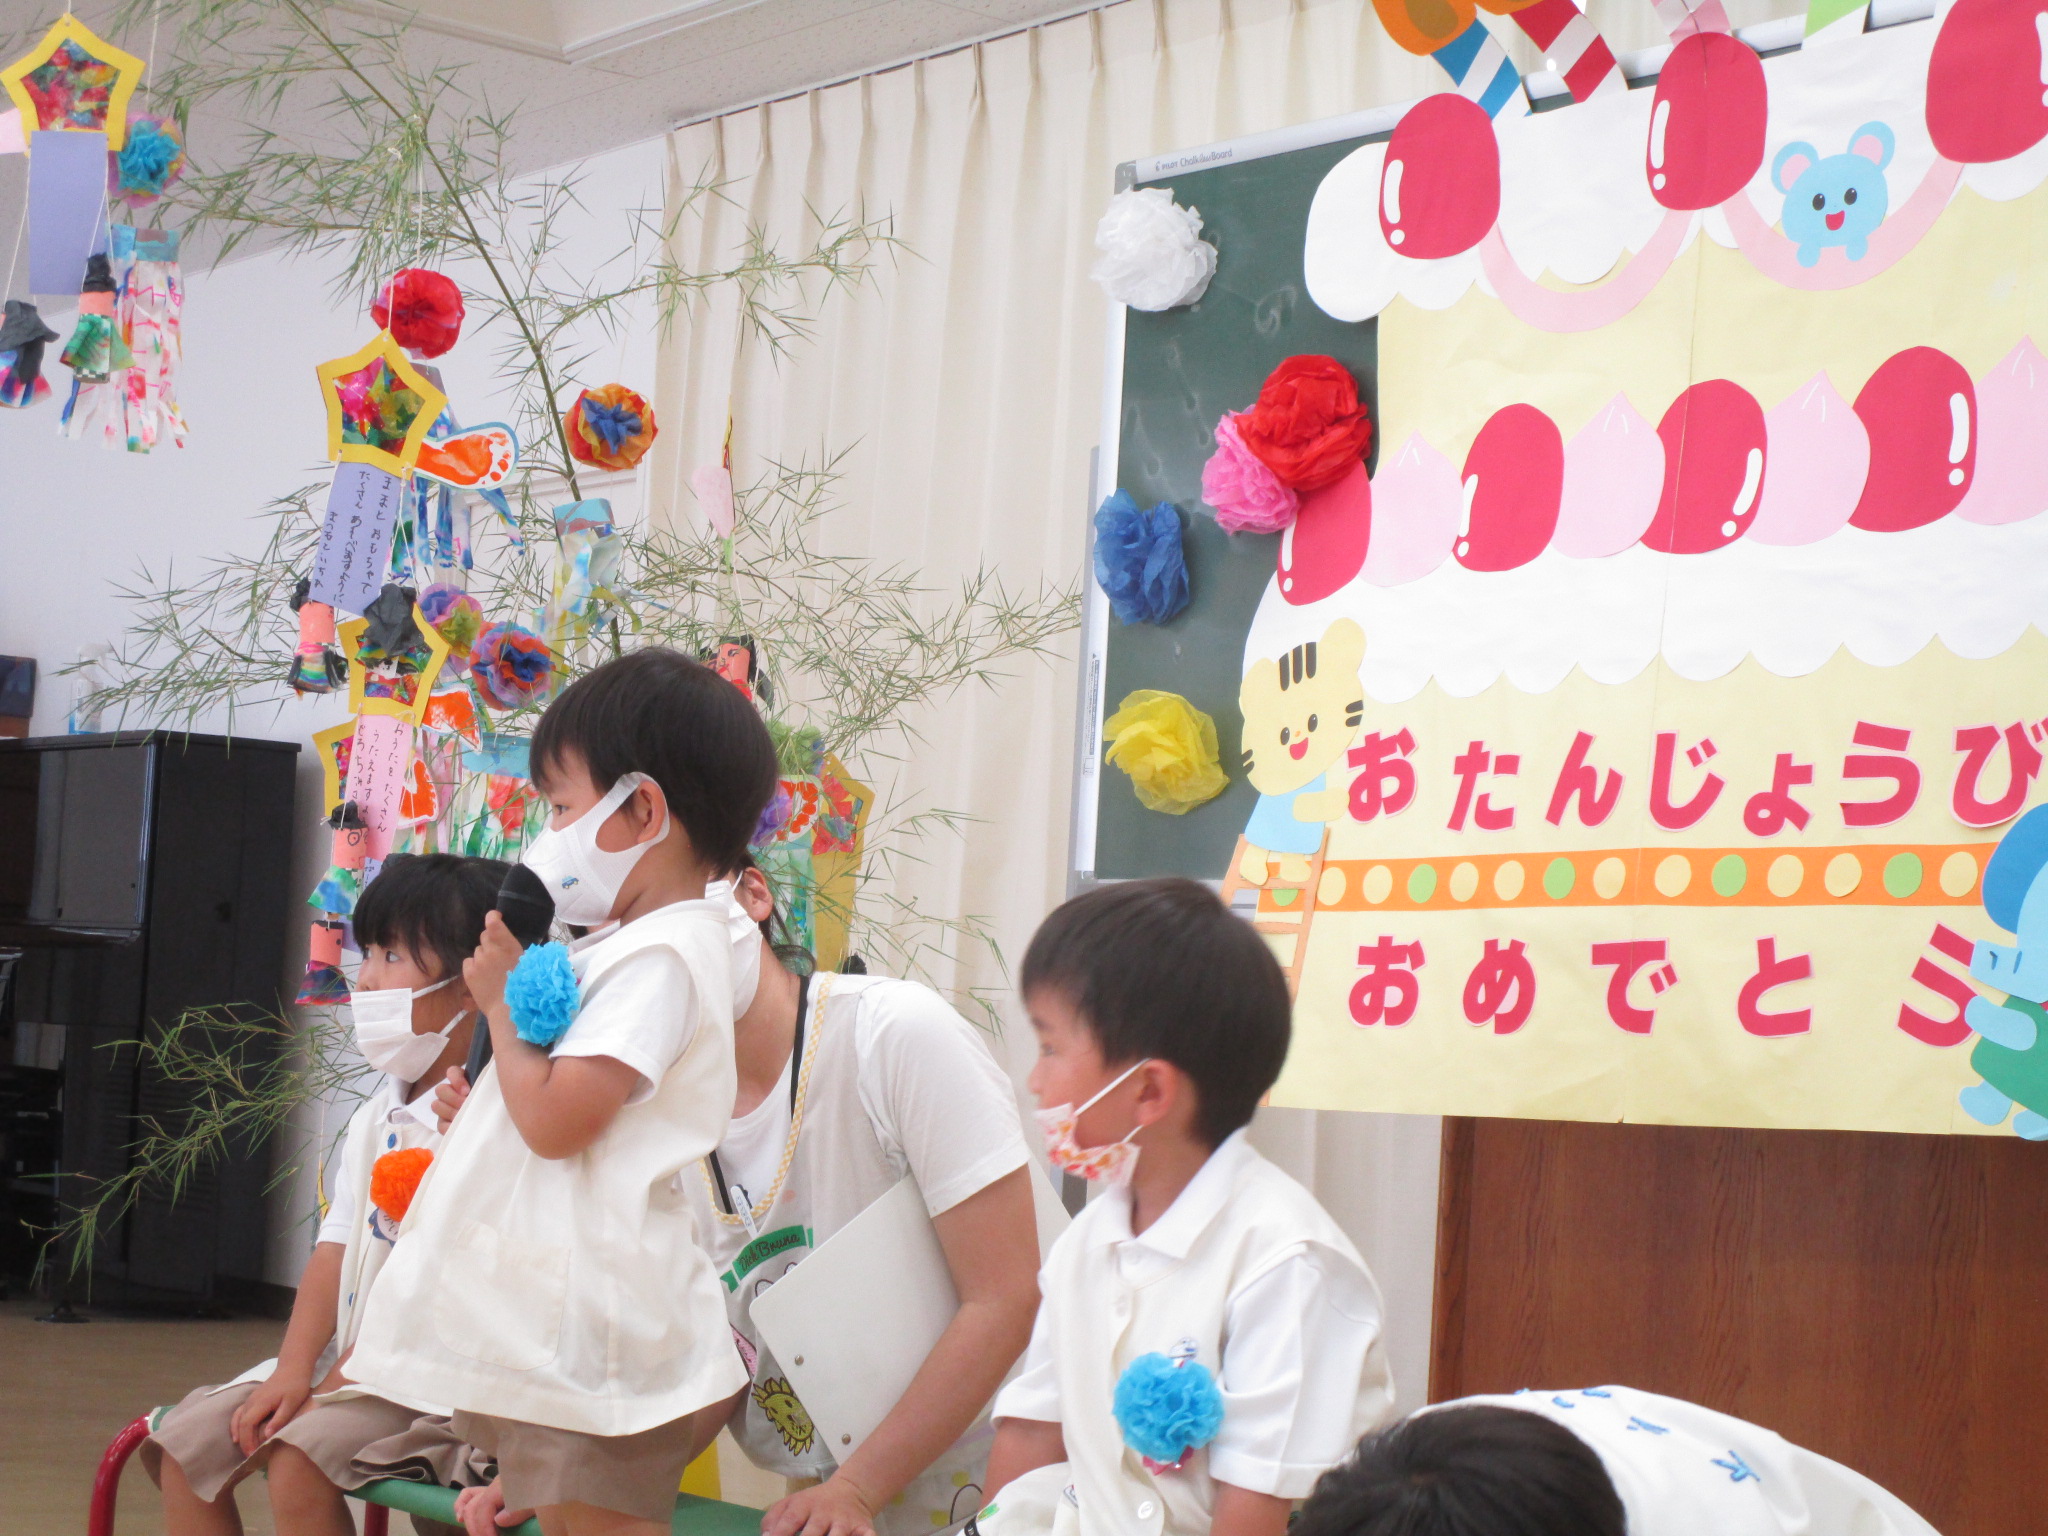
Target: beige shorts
[[538, 1466], [352, 1440]]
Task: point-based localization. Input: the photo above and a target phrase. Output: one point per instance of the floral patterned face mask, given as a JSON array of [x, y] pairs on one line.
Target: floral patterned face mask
[[1112, 1164]]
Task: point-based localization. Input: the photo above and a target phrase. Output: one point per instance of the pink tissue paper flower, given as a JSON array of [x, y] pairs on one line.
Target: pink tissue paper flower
[[1248, 497]]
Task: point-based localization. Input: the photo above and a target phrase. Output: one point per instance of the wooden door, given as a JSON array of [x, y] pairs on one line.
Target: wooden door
[[1881, 1299]]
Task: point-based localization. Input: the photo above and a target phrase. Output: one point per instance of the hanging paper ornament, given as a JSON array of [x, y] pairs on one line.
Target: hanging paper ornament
[[74, 81], [1153, 254], [337, 891], [148, 313], [148, 164], [317, 667], [379, 406], [610, 427], [323, 985], [1168, 747], [541, 995], [422, 310], [390, 632], [1247, 496], [474, 459], [349, 847], [1138, 560], [1308, 426], [96, 354], [1167, 1408], [23, 336], [395, 1179], [511, 666], [457, 618], [774, 815]]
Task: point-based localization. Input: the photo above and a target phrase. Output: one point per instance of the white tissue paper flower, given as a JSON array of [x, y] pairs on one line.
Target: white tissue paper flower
[[1153, 253]]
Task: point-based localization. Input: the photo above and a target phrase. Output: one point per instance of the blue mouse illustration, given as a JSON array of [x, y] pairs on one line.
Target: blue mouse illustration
[[1839, 200], [2011, 1053]]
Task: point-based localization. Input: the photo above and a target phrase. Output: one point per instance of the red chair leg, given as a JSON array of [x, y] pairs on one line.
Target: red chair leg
[[106, 1483], [376, 1520]]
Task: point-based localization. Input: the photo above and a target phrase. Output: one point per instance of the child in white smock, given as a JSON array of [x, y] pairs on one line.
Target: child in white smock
[[416, 924], [1599, 1461], [1208, 1340], [549, 1286]]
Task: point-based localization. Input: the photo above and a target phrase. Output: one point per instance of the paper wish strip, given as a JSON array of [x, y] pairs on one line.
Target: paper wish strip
[[355, 540], [67, 194], [378, 777]]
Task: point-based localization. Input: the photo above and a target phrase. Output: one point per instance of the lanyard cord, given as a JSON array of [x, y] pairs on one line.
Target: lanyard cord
[[803, 1053]]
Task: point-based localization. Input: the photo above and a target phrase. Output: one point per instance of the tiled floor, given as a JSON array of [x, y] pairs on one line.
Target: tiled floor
[[66, 1391]]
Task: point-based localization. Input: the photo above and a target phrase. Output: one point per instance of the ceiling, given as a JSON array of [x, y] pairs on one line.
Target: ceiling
[[590, 75]]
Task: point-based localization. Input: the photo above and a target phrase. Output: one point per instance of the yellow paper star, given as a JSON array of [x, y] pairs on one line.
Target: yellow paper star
[[379, 406], [74, 79], [408, 699]]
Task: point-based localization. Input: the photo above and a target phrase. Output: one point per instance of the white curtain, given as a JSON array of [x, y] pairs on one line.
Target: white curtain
[[966, 381]]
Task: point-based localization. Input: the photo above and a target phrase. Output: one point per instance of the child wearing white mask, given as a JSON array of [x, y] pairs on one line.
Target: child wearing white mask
[[415, 924], [549, 1287], [1208, 1341]]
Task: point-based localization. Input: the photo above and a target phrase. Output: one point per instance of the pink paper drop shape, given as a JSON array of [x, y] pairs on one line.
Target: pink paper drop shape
[[1984, 81], [1325, 545], [1415, 506], [1613, 473], [1440, 182], [1920, 409], [2011, 479], [1819, 454], [1714, 451], [1513, 484], [1706, 122]]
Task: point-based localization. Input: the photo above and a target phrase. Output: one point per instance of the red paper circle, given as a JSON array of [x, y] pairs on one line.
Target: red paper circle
[[1920, 410], [1514, 483], [1324, 547], [1714, 448], [1984, 86], [1440, 184], [1706, 123]]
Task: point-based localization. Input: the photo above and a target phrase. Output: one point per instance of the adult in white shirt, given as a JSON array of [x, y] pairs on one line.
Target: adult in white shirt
[[848, 1084]]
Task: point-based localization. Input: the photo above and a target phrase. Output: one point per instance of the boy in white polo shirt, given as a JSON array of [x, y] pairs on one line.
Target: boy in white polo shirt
[[1208, 1342]]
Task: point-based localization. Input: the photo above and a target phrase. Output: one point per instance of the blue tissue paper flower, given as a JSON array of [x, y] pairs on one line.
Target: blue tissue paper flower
[[1166, 1410], [541, 995], [147, 159], [1138, 560]]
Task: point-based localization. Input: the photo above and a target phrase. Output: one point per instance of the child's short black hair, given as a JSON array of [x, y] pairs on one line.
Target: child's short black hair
[[1161, 968], [659, 713], [1477, 1471], [433, 904]]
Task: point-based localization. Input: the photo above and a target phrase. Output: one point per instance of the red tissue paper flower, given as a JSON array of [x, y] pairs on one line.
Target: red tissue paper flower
[[395, 1179], [1308, 427], [422, 310]]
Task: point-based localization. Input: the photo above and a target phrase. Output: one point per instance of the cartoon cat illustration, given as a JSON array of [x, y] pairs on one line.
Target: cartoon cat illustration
[[1301, 711], [1839, 200]]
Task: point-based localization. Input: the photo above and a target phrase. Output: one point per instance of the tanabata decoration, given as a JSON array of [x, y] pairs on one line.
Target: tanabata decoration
[[74, 81], [67, 196], [457, 618], [1248, 497], [324, 986], [148, 164], [317, 667], [379, 406], [395, 1179], [1167, 1408], [96, 354], [479, 458], [1168, 747], [1308, 427], [422, 310], [610, 427], [774, 815], [394, 657], [511, 667], [23, 335], [334, 746], [736, 660], [1153, 254], [390, 632], [587, 584], [148, 314], [541, 995], [348, 850], [1138, 559]]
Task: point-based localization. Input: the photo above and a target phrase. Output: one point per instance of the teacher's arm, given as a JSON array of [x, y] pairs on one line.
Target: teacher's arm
[[990, 1240]]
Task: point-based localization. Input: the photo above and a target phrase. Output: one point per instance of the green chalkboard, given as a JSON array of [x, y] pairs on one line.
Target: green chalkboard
[[1181, 371]]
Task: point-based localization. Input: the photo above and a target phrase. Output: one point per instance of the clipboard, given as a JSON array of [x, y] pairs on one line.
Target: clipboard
[[852, 1323]]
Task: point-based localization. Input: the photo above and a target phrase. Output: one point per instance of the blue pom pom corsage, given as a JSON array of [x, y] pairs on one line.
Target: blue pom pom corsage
[[541, 994], [1167, 1410], [1138, 560]]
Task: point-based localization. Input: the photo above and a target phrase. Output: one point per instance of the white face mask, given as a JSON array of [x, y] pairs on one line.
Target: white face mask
[[745, 934], [583, 878], [383, 1022]]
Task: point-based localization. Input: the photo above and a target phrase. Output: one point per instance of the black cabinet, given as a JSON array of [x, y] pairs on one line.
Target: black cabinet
[[142, 874]]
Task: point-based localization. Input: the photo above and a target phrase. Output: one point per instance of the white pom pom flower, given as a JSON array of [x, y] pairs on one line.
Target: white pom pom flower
[[1153, 254]]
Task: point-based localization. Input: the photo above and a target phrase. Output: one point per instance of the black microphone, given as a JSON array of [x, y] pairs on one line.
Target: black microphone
[[529, 912]]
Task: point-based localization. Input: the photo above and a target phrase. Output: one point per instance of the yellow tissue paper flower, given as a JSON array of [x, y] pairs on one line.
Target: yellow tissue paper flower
[[1168, 747]]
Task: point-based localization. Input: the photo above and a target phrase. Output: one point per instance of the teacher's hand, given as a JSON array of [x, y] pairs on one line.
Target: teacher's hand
[[833, 1508]]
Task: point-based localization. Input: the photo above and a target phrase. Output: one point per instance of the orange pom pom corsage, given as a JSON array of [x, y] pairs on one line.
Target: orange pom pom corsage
[[395, 1179], [610, 427]]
